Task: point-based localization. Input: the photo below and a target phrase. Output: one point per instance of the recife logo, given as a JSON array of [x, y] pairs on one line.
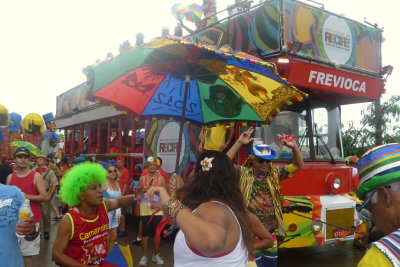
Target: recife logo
[[167, 146], [337, 39]]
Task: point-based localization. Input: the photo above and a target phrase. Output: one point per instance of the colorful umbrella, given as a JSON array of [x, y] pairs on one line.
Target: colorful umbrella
[[178, 10], [160, 78], [32, 148], [194, 12], [119, 256]]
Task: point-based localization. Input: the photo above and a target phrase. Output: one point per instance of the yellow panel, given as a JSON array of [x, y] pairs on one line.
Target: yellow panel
[[340, 217]]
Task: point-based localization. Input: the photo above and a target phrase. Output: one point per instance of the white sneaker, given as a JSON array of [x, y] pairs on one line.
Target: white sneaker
[[157, 259], [143, 261]]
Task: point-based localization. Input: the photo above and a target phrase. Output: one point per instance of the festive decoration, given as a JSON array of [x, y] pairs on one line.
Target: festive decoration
[[50, 138], [178, 10], [206, 163], [377, 167], [31, 147], [78, 178], [33, 129], [153, 160], [221, 86], [119, 256], [4, 116], [4, 122], [194, 12], [157, 80], [263, 151]]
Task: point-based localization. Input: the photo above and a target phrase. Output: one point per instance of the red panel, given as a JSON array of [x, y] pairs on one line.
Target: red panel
[[312, 76], [133, 90], [314, 179]]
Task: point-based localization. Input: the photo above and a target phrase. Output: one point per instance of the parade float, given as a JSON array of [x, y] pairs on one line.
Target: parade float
[[333, 59], [336, 61]]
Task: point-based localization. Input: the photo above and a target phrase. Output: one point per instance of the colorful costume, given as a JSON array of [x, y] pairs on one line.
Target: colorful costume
[[51, 138], [15, 127], [263, 197], [88, 242], [89, 235], [380, 166]]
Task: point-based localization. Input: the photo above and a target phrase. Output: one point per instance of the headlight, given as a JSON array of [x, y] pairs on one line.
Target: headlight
[[333, 183], [316, 226], [336, 183]]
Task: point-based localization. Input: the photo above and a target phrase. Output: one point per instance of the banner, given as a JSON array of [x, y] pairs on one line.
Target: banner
[[162, 139], [73, 100], [332, 38], [324, 36]]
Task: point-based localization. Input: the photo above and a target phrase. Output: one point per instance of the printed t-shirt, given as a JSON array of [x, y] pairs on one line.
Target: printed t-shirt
[[11, 199], [27, 186], [214, 137], [88, 241]]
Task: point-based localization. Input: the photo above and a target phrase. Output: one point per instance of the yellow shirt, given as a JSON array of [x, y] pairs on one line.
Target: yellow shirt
[[214, 137], [374, 258]]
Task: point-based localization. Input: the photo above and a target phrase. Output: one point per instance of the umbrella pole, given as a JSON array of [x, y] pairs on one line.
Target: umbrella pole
[[178, 153]]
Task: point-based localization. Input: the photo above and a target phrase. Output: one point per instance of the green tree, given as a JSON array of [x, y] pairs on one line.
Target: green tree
[[378, 125]]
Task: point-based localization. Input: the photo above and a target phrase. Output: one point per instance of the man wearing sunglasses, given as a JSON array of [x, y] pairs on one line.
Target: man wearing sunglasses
[[259, 182], [379, 172]]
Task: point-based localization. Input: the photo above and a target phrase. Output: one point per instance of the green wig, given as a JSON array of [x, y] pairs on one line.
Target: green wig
[[78, 178]]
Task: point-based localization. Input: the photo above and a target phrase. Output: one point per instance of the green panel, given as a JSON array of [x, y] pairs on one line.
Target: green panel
[[107, 71], [230, 109]]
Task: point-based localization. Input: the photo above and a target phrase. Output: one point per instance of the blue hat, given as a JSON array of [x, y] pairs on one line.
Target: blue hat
[[79, 159], [21, 151], [49, 117], [263, 151]]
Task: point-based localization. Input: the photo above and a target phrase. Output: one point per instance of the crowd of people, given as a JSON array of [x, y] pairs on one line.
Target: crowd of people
[[227, 215]]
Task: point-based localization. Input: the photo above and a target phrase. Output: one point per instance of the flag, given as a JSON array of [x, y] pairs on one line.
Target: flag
[[119, 256]]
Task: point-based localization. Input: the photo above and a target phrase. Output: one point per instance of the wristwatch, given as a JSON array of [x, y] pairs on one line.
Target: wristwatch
[[34, 235]]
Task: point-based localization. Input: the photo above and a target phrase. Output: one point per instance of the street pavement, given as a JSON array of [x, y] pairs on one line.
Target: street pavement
[[341, 254]]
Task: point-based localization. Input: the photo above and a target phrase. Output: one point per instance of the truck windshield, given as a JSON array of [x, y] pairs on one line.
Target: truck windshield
[[317, 132]]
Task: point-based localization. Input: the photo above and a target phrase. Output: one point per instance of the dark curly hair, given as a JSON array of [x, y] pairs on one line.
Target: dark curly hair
[[220, 182]]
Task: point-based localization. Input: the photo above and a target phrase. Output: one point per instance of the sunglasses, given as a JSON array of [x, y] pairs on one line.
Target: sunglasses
[[368, 199], [111, 171], [261, 161]]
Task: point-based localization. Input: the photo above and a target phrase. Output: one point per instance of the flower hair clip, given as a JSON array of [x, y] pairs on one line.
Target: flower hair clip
[[206, 164]]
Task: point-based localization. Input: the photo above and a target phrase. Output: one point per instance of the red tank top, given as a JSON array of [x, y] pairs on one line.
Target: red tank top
[[88, 242], [27, 186]]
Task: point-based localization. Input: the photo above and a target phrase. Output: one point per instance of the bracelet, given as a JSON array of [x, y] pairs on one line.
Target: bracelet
[[173, 207], [34, 236]]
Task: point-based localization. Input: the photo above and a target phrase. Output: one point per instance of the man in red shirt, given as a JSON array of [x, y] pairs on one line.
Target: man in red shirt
[[124, 181], [32, 185]]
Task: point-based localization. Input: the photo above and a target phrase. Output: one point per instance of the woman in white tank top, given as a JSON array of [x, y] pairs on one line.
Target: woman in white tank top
[[215, 230]]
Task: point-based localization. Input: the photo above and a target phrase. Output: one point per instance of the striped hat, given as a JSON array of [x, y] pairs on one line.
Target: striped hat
[[378, 166]]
